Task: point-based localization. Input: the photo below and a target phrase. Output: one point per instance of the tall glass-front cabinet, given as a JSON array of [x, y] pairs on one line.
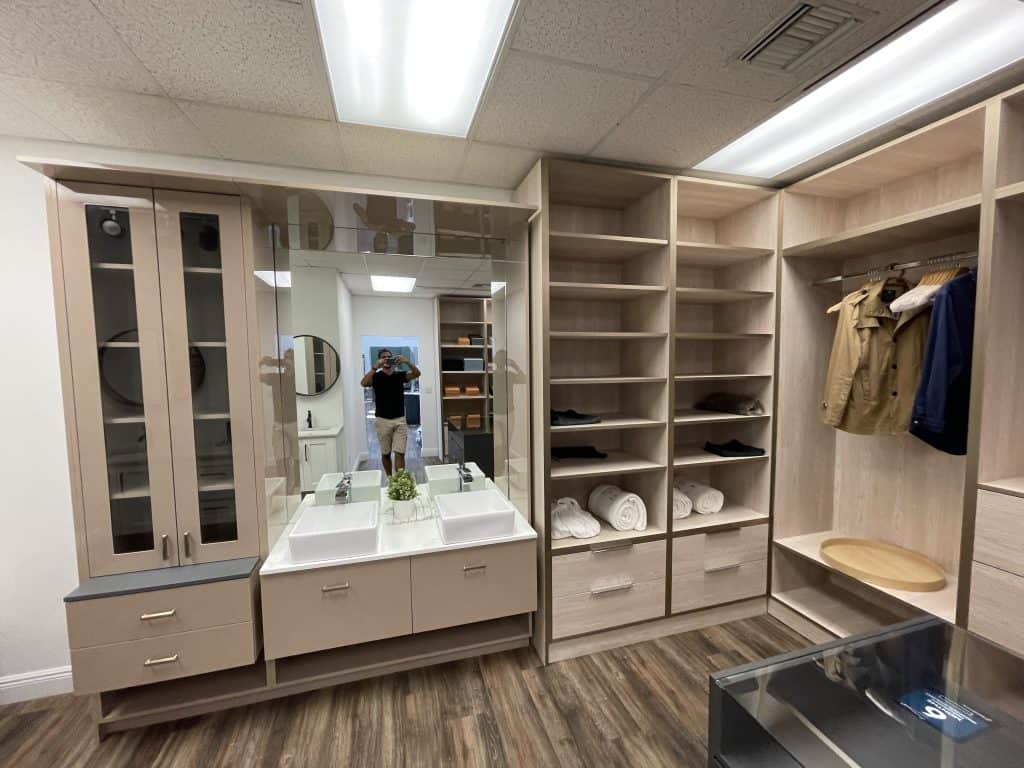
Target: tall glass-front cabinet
[[154, 288]]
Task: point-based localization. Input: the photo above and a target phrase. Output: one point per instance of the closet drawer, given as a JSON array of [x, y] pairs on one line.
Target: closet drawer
[[155, 659], [711, 551], [999, 531], [469, 585], [693, 589], [611, 564], [608, 605], [157, 613], [996, 597], [331, 607]]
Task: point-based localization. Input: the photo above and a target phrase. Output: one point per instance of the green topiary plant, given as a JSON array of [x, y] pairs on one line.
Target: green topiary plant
[[402, 486]]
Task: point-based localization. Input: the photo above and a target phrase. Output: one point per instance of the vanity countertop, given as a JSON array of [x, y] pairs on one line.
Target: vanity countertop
[[319, 432], [396, 539]]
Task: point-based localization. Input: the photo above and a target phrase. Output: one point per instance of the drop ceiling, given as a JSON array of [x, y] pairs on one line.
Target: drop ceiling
[[649, 82]]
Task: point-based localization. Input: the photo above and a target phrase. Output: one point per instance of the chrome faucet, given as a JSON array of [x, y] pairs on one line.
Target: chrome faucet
[[465, 476], [343, 490]]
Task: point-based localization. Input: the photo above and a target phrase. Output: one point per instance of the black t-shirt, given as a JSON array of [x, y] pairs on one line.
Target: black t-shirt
[[389, 394]]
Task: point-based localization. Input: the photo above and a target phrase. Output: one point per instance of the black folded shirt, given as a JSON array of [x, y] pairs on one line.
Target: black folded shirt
[[732, 449], [571, 418], [576, 452]]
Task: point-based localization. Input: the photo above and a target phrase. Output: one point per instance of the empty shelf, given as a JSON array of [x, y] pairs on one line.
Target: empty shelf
[[694, 416], [692, 455], [608, 535], [604, 290], [610, 423], [941, 603], [464, 397], [112, 266], [731, 514], [720, 376], [585, 247], [464, 373], [125, 420], [467, 347], [612, 335], [216, 485], [607, 380], [463, 322], [718, 295], [715, 255], [140, 492], [202, 270], [1010, 191], [1011, 485], [712, 336], [836, 610], [617, 463]]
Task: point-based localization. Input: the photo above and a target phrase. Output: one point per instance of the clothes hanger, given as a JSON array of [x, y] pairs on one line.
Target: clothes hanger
[[922, 294]]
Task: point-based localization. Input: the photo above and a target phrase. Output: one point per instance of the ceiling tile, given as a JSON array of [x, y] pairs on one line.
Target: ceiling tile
[[680, 126], [636, 37], [398, 266], [16, 120], [264, 138], [549, 106], [262, 55], [67, 41], [713, 65], [113, 118], [387, 152], [494, 166]]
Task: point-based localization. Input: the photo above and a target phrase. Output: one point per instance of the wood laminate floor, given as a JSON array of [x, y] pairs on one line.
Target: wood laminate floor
[[642, 705]]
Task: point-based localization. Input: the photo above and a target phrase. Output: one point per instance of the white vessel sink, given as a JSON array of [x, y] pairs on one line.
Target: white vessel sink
[[474, 516], [340, 530], [365, 486], [444, 478]]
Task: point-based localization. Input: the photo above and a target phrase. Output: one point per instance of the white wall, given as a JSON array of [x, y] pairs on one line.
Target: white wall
[[404, 316], [354, 437], [314, 306]]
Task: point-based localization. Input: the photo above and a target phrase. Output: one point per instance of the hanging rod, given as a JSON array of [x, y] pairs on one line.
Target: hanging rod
[[934, 261]]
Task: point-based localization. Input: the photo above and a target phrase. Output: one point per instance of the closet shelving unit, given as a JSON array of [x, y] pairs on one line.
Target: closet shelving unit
[[465, 316], [612, 328]]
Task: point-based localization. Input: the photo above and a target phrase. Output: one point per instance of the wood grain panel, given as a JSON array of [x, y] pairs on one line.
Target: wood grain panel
[[593, 610], [699, 589], [999, 532], [996, 597], [579, 572]]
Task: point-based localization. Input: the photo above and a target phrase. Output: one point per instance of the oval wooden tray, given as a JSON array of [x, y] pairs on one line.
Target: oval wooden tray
[[884, 565]]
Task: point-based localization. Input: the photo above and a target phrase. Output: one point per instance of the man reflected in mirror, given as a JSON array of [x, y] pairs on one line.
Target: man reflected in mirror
[[388, 384]]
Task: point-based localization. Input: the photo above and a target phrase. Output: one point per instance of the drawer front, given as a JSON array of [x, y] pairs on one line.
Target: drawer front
[[996, 597], [607, 606], [468, 585], [158, 613], [331, 607], [718, 584], [156, 659], [579, 572], [999, 531], [705, 551]]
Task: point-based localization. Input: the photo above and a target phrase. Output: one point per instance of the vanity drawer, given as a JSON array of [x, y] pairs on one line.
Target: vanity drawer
[[996, 597], [709, 551], [330, 607], [607, 605], [999, 531], [155, 659], [100, 621], [715, 585], [477, 584], [579, 572]]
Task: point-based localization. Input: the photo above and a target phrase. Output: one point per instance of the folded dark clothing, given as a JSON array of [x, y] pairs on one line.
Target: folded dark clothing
[[733, 448], [576, 452], [728, 402], [571, 418]]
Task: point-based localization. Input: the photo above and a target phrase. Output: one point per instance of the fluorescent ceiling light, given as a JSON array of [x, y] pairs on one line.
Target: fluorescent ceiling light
[[390, 284], [961, 44], [275, 279], [420, 65]]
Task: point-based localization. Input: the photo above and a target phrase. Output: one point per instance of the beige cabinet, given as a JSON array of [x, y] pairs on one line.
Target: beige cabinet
[[154, 287]]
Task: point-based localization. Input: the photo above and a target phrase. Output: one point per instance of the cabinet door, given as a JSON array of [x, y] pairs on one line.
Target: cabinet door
[[202, 285], [112, 293], [316, 458]]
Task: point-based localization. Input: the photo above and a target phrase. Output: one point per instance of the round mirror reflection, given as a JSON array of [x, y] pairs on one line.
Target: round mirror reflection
[[316, 365]]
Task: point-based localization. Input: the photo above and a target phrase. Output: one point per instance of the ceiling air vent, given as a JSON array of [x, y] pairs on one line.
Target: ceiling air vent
[[802, 32]]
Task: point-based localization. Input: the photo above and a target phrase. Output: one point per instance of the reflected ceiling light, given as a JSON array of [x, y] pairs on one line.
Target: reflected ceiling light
[[497, 287], [390, 284], [961, 44], [419, 65], [275, 279]]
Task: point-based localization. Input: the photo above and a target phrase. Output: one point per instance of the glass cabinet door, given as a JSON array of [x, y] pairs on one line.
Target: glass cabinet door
[[122, 441], [202, 281]]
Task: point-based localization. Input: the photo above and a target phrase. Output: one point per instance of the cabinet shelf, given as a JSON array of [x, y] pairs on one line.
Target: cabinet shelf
[[464, 397], [698, 377], [141, 492], [119, 345], [577, 290], [573, 380], [693, 456], [617, 463], [730, 515], [208, 344], [695, 416], [718, 295], [716, 255], [211, 416], [467, 347], [713, 336], [1014, 486], [836, 610], [113, 266], [213, 487], [203, 270], [609, 335], [1011, 191], [587, 247], [476, 323], [125, 420], [613, 422], [608, 535]]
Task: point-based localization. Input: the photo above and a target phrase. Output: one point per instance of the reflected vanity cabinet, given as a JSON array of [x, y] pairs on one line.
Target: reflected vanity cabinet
[[157, 381]]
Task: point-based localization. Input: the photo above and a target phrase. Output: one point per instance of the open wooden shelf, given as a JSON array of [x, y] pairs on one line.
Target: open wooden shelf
[[715, 336], [573, 380], [610, 423], [836, 610], [730, 515], [718, 295], [695, 416], [694, 456], [939, 221], [467, 347], [941, 603], [464, 397], [611, 335], [475, 323], [607, 535], [587, 247], [1011, 191], [699, 377], [617, 463], [578, 290], [1014, 486], [716, 255]]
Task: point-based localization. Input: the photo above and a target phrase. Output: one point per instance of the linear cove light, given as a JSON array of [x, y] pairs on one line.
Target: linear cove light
[[390, 284], [962, 43], [419, 65]]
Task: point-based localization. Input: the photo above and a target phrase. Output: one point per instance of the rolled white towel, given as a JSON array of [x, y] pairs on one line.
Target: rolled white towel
[[569, 519], [682, 506], [623, 511], [706, 500]]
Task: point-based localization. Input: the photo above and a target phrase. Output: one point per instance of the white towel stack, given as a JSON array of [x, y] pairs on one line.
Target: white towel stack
[[569, 519], [706, 500], [622, 510], [682, 506]]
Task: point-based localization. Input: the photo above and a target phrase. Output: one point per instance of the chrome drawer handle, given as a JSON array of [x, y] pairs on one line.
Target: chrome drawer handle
[[613, 588], [335, 587], [720, 568], [158, 615], [473, 568], [599, 548], [158, 662]]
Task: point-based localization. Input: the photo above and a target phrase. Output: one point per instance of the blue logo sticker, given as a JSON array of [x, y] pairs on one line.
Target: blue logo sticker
[[953, 719]]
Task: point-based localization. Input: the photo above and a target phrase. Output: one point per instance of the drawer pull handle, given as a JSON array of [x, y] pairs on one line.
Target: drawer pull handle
[[599, 548], [187, 536], [335, 587], [473, 568], [613, 588], [164, 551], [720, 568], [158, 662], [158, 615]]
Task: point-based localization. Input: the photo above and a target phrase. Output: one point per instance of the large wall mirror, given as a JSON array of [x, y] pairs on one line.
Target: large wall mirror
[[317, 365]]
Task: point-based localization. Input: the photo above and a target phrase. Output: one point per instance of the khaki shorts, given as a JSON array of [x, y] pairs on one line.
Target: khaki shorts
[[391, 434]]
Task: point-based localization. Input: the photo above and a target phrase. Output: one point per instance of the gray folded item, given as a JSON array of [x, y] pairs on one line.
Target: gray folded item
[[730, 402]]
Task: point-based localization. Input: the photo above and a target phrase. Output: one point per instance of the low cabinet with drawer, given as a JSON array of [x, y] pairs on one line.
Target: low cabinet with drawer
[[719, 567], [997, 581]]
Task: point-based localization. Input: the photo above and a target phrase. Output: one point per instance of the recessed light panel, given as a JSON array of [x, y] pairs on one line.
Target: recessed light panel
[[957, 46], [419, 65], [390, 284], [275, 279]]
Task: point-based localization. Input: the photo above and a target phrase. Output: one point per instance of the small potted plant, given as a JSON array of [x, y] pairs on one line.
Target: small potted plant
[[402, 492]]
